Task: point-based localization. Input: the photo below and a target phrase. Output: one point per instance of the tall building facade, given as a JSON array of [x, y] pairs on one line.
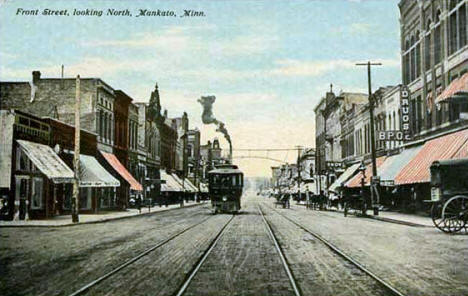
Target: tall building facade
[[434, 53]]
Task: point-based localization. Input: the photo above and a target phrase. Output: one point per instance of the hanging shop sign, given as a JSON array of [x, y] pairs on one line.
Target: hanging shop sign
[[333, 165], [405, 132]]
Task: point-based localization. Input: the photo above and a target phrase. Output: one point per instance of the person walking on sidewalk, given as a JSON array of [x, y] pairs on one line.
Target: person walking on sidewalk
[[138, 202]]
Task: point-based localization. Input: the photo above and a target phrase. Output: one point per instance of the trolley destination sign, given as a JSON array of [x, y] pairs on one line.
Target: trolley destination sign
[[405, 132]]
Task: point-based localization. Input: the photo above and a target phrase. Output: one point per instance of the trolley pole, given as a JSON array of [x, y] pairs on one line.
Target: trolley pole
[[76, 157], [374, 190]]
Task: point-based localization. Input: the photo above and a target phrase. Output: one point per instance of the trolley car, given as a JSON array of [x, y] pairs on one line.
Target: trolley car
[[225, 185], [449, 195]]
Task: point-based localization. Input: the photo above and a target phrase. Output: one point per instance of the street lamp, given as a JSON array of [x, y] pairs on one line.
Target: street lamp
[[362, 169]]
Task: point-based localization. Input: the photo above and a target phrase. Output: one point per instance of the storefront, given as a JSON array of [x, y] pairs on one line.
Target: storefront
[[128, 184], [38, 171], [97, 186], [171, 190]]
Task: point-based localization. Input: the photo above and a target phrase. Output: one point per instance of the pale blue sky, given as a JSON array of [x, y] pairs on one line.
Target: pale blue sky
[[268, 62]]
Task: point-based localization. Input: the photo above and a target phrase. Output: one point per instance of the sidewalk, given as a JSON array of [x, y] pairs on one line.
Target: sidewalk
[[395, 217], [104, 216]]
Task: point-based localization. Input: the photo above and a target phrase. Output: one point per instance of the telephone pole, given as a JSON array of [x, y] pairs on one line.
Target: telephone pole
[[299, 149], [76, 157], [375, 203]]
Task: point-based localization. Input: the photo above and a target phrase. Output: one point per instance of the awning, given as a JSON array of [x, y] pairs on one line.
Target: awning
[[119, 168], [92, 174], [189, 183], [203, 187], [171, 184], [394, 164], [348, 173], [356, 180], [47, 161], [445, 147], [183, 183], [457, 86]]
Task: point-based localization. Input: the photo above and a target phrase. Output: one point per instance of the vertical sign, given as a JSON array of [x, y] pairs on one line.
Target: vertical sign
[[405, 132], [405, 112]]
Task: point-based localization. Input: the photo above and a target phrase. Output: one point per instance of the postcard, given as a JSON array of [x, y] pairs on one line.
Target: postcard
[[244, 147]]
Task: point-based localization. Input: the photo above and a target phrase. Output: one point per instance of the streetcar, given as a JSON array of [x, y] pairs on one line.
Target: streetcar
[[449, 195], [225, 185]]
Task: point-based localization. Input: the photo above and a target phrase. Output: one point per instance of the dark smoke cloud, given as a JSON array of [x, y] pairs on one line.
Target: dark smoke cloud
[[209, 118]]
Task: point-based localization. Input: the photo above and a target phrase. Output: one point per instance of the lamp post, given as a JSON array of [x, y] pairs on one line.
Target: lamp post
[[362, 169]]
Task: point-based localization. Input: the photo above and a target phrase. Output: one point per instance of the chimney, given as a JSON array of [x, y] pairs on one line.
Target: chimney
[[36, 76]]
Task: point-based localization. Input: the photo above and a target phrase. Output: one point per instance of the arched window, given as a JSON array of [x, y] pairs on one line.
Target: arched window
[[109, 127], [406, 62], [462, 25], [413, 60], [427, 46], [101, 123], [418, 55], [453, 31], [437, 41], [104, 133]]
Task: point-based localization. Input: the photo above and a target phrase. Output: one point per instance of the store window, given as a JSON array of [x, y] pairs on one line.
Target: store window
[[22, 160], [37, 193], [85, 198]]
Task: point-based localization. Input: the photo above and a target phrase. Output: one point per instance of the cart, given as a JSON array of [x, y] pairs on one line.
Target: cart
[[449, 195]]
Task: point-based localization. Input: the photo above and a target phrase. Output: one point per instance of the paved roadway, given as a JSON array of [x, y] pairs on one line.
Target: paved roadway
[[244, 261]]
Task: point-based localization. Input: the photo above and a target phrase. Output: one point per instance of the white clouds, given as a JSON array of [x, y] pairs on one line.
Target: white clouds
[[360, 28], [170, 39], [309, 68]]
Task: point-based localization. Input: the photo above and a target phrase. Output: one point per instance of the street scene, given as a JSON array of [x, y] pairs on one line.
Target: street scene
[[234, 147]]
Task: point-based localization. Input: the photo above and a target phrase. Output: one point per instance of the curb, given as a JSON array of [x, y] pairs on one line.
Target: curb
[[390, 220], [383, 219], [102, 220]]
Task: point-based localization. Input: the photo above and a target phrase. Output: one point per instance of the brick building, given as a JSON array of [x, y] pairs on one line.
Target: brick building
[[434, 53]]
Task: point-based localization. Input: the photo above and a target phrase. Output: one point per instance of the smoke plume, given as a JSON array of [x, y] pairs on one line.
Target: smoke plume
[[209, 118]]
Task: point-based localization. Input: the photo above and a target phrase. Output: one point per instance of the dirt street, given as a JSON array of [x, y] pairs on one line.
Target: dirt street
[[417, 260], [244, 262]]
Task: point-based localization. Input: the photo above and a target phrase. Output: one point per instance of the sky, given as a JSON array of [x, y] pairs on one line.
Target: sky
[[267, 62]]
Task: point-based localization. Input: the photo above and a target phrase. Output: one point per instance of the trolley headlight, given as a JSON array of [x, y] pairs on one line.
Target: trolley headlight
[[224, 198], [435, 193]]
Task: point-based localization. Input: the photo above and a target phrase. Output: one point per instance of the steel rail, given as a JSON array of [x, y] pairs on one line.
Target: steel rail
[[292, 280], [134, 259], [338, 251], [213, 243]]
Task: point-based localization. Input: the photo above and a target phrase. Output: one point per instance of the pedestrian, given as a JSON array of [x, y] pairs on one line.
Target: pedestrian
[[138, 202]]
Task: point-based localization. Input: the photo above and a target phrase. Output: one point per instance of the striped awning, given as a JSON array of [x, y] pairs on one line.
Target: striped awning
[[47, 161], [356, 180], [183, 183], [122, 171], [442, 148], [348, 173], [457, 86], [171, 184], [93, 174], [395, 163]]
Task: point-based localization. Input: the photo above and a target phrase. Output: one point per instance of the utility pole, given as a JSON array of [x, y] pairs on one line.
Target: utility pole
[[76, 157], [299, 149], [374, 191]]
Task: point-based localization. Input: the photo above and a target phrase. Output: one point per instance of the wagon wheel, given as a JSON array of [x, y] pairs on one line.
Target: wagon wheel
[[455, 213], [436, 214]]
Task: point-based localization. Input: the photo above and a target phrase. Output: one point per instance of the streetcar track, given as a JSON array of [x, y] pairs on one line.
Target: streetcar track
[[202, 259], [342, 254], [280, 251], [91, 284]]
